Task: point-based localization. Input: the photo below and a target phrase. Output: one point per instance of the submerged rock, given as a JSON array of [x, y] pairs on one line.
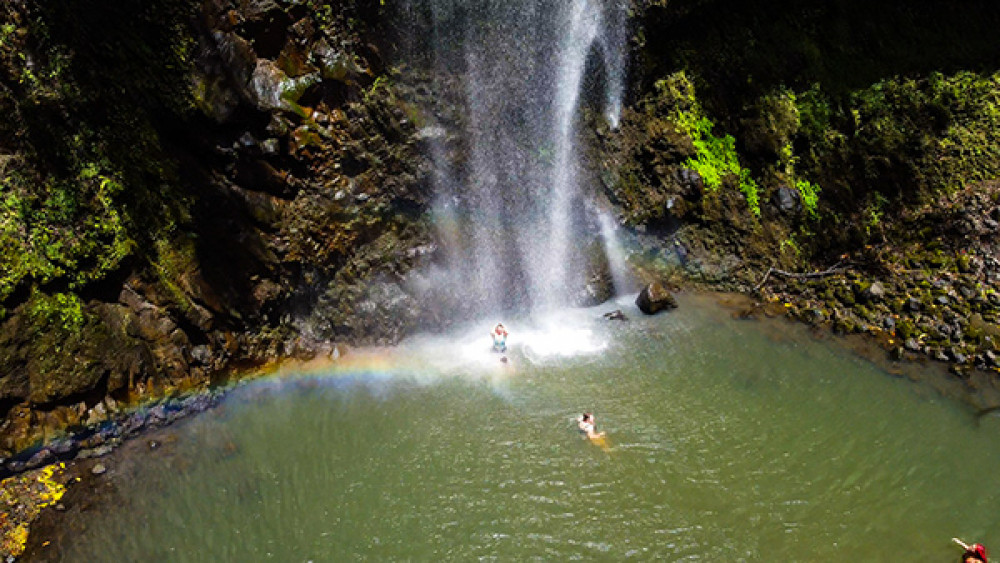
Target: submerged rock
[[616, 315], [654, 298]]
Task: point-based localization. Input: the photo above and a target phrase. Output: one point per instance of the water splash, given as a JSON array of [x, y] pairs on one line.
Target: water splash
[[559, 336], [465, 352]]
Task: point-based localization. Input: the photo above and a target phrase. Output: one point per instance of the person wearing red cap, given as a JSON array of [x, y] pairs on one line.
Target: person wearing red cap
[[975, 553]]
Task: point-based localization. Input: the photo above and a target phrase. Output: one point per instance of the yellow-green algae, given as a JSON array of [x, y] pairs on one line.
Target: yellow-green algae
[[22, 499]]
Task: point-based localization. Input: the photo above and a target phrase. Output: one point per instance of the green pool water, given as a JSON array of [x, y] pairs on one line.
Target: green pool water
[[728, 441]]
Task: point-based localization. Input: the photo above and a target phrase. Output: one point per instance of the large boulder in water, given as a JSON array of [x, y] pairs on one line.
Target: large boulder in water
[[654, 298]]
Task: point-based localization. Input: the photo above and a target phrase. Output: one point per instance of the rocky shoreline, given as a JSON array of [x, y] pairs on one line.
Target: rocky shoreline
[[937, 301], [919, 302], [34, 481], [101, 439]]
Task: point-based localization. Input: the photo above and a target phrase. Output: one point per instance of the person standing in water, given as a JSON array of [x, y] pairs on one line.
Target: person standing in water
[[499, 335], [586, 424]]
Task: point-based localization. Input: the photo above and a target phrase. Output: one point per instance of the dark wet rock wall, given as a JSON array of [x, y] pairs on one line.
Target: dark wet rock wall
[[837, 162], [190, 188]]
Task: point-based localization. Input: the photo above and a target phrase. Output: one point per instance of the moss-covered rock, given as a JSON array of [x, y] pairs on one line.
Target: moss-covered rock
[[179, 180]]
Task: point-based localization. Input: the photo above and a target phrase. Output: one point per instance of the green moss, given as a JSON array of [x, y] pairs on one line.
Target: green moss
[[964, 263], [789, 244], [59, 311], [905, 329], [810, 196], [909, 137], [715, 157], [69, 230], [175, 259], [6, 32], [84, 182], [814, 113], [863, 312]]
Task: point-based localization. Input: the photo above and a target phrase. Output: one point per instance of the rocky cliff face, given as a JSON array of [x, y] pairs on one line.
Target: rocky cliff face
[[838, 162], [257, 178]]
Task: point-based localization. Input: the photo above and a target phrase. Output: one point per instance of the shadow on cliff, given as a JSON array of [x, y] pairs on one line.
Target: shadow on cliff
[[741, 49], [124, 81], [128, 102]]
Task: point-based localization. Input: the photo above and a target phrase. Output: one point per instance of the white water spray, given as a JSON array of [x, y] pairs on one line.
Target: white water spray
[[551, 274], [620, 273], [512, 195]]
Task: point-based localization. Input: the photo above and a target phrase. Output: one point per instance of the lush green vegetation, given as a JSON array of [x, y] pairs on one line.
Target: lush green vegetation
[[897, 143], [70, 229], [84, 179], [810, 196], [715, 157], [60, 311], [875, 106]]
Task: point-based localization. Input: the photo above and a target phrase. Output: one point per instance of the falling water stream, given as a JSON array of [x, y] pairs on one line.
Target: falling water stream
[[520, 228], [727, 441]]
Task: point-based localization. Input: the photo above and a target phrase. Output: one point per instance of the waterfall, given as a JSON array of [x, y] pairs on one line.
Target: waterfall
[[513, 198], [583, 26], [620, 274]]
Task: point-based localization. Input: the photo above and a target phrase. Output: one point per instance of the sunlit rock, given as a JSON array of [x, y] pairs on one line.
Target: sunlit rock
[[271, 89], [654, 298]]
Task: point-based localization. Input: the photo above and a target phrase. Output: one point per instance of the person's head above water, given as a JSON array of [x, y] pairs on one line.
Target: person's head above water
[[975, 552], [587, 417]]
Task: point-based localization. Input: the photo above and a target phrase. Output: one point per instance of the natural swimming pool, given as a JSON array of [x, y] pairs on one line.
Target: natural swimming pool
[[727, 442]]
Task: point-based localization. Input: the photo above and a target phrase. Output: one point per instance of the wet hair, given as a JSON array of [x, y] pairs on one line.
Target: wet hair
[[976, 551], [587, 416]]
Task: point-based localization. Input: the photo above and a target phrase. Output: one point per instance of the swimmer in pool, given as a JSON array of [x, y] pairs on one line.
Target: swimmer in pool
[[586, 424]]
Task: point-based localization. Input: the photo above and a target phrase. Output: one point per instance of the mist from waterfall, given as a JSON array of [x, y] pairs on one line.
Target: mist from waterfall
[[514, 208]]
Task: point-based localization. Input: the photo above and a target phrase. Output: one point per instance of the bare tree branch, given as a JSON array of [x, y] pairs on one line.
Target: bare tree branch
[[835, 269]]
